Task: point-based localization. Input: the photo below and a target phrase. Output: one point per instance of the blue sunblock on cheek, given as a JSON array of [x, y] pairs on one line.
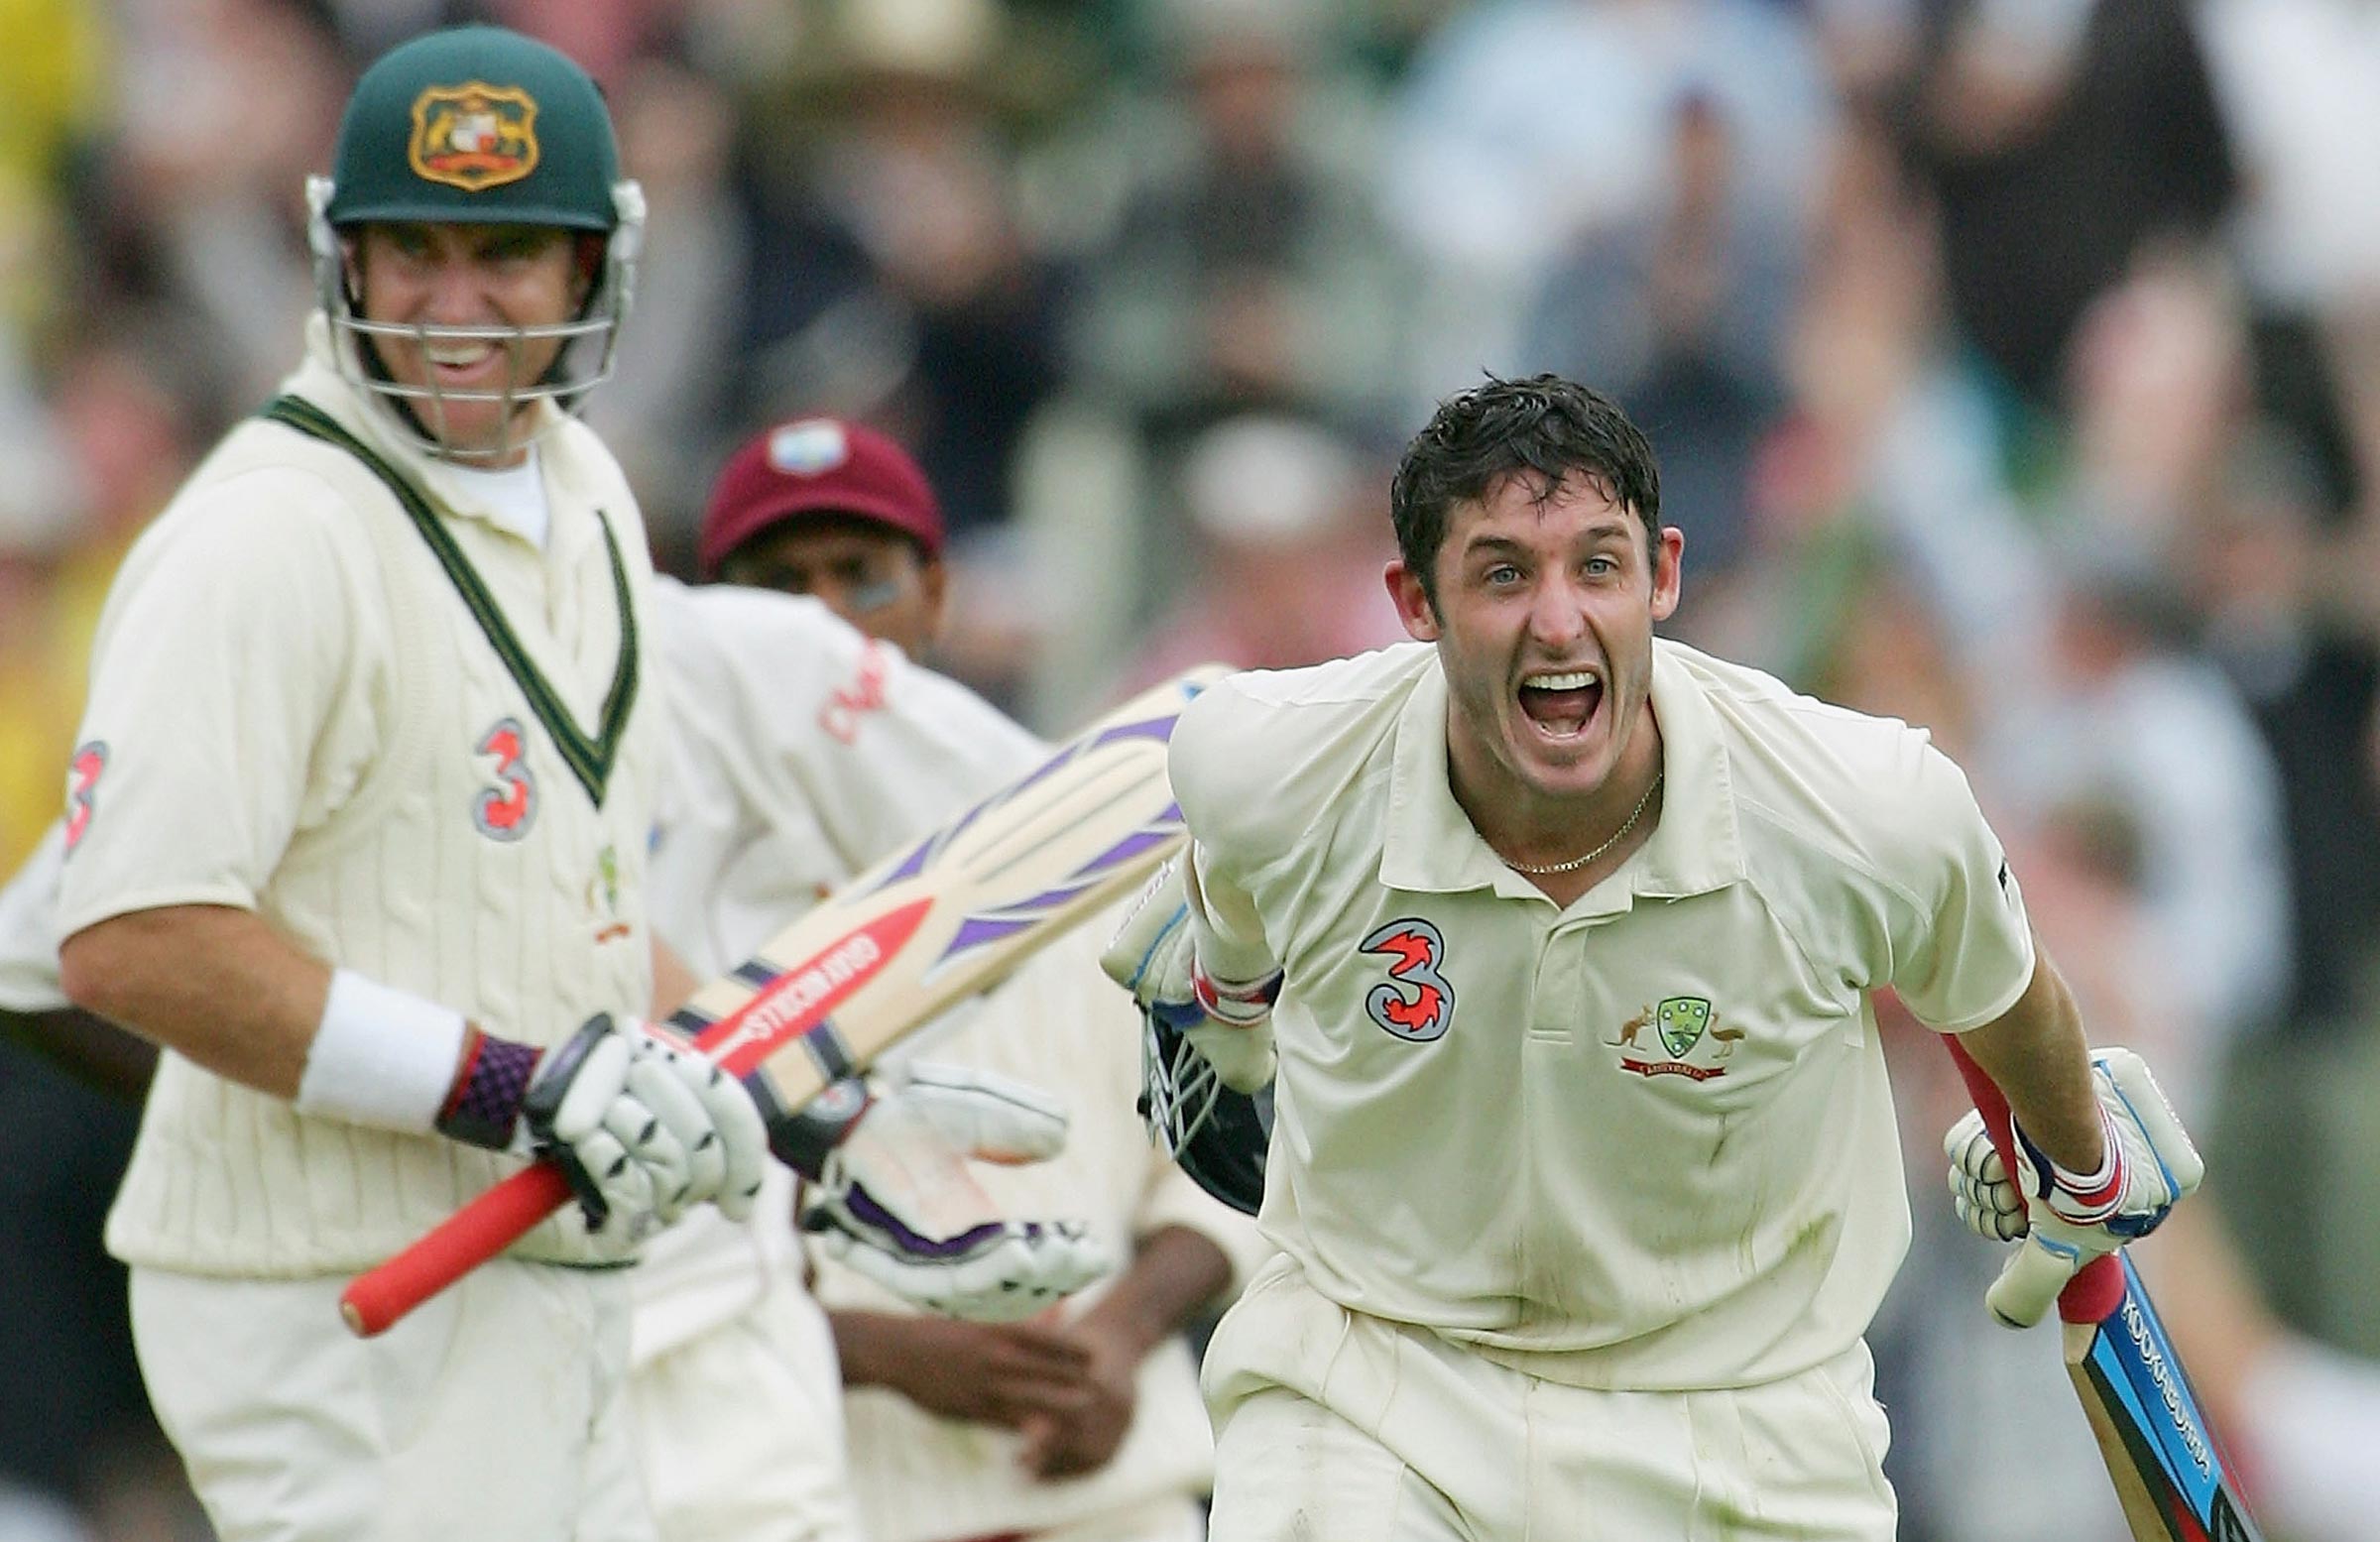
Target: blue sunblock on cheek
[[875, 595]]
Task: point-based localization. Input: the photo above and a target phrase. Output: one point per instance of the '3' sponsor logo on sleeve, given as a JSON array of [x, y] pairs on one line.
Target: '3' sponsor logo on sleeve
[[82, 786]]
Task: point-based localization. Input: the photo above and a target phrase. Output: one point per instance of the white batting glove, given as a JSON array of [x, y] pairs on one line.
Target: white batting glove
[[892, 1196], [1152, 955], [2067, 1218], [644, 1126], [1981, 1192]]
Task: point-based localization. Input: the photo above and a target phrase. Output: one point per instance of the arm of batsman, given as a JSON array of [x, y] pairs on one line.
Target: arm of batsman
[[1156, 956], [2064, 1219], [891, 1195]]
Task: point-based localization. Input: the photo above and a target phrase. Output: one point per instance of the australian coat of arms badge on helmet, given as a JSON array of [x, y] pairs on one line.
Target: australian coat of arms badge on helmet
[[474, 136]]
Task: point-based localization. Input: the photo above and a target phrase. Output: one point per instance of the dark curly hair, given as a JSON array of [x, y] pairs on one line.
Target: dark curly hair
[[1545, 428]]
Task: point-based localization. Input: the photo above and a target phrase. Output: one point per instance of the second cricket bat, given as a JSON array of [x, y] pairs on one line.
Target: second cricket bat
[[2170, 1476], [938, 920]]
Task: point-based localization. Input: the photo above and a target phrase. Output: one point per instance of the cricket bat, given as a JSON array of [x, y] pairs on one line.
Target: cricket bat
[[941, 918], [2169, 1474]]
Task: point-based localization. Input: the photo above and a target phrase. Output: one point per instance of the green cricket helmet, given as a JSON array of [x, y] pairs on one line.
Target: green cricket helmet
[[477, 125]]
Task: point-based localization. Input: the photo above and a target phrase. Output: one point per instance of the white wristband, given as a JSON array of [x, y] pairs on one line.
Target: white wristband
[[381, 1056]]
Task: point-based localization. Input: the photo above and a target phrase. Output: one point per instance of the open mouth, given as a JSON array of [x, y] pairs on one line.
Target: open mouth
[[457, 363], [1561, 703]]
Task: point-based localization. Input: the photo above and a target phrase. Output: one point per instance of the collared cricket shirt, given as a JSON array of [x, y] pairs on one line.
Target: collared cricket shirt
[[1643, 1142]]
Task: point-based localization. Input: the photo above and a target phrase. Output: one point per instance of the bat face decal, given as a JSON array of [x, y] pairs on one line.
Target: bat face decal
[[2141, 1404], [796, 1001], [1415, 1002]]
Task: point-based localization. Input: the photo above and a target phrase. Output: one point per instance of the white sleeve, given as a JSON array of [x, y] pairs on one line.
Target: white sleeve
[[817, 722], [1210, 766], [29, 930], [1962, 945], [223, 651]]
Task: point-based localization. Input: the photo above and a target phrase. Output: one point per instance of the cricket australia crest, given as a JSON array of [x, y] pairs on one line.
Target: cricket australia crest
[[474, 136], [1688, 1032]]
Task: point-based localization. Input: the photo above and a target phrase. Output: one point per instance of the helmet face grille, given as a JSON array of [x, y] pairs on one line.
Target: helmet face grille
[[589, 344]]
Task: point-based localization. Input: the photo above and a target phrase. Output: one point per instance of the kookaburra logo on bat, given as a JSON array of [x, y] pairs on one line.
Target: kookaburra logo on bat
[[1416, 1001]]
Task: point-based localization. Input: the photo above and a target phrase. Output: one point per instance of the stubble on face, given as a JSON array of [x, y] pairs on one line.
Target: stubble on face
[[1543, 620], [466, 276]]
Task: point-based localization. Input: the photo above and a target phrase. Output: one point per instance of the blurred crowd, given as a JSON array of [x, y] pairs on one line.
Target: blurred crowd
[[2014, 367]]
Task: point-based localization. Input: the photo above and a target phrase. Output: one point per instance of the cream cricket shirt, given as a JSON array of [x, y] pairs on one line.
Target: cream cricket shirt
[[1644, 1142], [293, 710]]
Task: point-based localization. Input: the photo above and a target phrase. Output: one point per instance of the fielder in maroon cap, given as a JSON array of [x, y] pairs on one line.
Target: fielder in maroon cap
[[830, 509]]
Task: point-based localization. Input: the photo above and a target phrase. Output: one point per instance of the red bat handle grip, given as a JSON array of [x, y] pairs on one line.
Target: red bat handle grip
[[378, 1298], [2098, 1287]]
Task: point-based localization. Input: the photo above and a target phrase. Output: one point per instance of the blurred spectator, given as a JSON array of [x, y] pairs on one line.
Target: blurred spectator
[[892, 282], [2058, 136], [1683, 319], [666, 412], [223, 108], [892, 279], [2298, 1151], [2127, 707], [1292, 536], [1529, 130], [2258, 570], [2299, 84], [2130, 717], [1247, 270], [40, 701], [50, 78], [1891, 440], [2157, 391]]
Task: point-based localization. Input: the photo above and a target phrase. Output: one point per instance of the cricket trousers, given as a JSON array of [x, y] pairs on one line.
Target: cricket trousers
[[1332, 1426], [497, 1409]]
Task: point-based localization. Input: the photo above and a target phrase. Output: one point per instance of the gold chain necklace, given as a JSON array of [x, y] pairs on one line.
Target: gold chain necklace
[[1619, 835]]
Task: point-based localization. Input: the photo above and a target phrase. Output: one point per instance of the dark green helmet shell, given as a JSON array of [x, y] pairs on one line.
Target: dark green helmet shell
[[476, 125]]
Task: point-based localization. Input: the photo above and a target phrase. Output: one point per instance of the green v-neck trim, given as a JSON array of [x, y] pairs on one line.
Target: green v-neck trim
[[590, 757]]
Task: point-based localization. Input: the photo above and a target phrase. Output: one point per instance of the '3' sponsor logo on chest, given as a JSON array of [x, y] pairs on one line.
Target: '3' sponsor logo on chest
[[1416, 1001]]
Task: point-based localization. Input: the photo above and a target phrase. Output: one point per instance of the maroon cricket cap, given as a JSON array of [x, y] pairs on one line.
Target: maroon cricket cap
[[819, 466]]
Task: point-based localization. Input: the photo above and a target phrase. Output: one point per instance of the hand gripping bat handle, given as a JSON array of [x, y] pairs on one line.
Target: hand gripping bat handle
[[2087, 1295], [378, 1298]]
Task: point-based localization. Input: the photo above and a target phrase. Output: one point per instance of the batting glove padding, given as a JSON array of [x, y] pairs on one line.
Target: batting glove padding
[[2066, 1219], [1153, 956], [1981, 1192], [644, 1126], [891, 1197]]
